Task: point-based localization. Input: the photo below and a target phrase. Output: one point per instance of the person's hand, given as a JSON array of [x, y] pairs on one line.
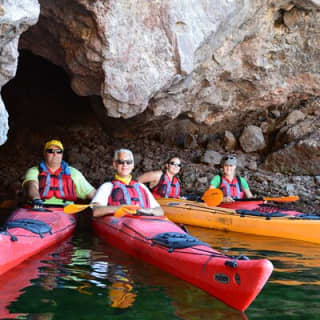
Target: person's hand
[[126, 209], [37, 203], [145, 212], [227, 199]]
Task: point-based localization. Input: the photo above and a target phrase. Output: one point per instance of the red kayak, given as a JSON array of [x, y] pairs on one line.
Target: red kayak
[[259, 206], [29, 231], [235, 281], [15, 280]]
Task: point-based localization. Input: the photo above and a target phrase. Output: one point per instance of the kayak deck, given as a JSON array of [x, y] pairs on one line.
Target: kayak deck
[[266, 222], [29, 231], [235, 281]]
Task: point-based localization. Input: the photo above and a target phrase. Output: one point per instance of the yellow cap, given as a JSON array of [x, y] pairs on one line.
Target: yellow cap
[[53, 143]]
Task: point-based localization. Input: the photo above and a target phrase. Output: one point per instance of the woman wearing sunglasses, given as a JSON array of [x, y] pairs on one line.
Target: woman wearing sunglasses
[[232, 186], [53, 181], [123, 190], [164, 184]]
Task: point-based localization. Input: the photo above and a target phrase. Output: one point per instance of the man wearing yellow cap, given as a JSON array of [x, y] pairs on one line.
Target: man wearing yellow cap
[[53, 181]]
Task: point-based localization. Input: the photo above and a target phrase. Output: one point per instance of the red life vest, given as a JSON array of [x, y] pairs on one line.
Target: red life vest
[[132, 193], [166, 188], [233, 189], [58, 184]]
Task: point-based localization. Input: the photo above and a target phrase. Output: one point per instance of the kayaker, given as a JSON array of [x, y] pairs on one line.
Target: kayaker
[[123, 190], [164, 184], [232, 186], [53, 181]]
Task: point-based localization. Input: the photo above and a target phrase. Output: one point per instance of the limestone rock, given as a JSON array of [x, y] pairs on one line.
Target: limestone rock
[[15, 18], [252, 139], [230, 141], [294, 117], [302, 157], [212, 157]]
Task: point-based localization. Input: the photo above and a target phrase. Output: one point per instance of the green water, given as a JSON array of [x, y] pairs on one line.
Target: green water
[[83, 278]]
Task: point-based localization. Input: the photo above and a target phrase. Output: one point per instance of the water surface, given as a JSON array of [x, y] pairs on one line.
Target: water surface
[[83, 278]]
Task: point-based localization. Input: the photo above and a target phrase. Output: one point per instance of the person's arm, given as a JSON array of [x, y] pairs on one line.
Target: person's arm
[[245, 187], [151, 177], [30, 184], [31, 188], [103, 210], [215, 182], [155, 208], [84, 189], [91, 194], [248, 193]]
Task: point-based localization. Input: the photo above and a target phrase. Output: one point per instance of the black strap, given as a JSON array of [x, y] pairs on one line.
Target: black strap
[[267, 215], [33, 225], [176, 240]]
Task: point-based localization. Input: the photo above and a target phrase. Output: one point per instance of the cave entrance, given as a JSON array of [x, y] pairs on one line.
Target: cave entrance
[[41, 107], [40, 98]]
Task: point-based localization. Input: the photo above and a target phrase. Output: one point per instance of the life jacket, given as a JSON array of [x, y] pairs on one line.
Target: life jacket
[[58, 184], [166, 188], [132, 193], [233, 189]]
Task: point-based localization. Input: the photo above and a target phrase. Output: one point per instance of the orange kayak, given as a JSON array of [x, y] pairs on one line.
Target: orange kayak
[[266, 222], [155, 240]]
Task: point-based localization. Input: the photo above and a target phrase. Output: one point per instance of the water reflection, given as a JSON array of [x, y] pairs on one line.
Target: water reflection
[[86, 279], [295, 262]]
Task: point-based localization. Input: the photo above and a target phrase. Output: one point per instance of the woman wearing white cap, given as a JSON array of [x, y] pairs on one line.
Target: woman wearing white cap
[[232, 186]]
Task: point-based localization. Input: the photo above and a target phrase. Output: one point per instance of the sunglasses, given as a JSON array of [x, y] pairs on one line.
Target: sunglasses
[[58, 151], [124, 162], [175, 164]]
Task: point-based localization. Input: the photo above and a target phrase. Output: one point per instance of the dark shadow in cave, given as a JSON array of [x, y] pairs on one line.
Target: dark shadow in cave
[[40, 96]]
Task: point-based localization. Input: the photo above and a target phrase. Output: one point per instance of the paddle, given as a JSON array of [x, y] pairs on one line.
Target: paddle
[[213, 197], [280, 199], [122, 211], [8, 204]]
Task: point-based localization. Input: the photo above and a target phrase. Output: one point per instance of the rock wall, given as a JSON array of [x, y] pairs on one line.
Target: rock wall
[[15, 18], [245, 69], [209, 58]]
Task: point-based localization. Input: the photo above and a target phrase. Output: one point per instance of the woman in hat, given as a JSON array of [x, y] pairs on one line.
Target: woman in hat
[[232, 186]]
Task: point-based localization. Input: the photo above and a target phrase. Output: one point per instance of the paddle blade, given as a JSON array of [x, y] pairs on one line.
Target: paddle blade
[[8, 204], [74, 208], [212, 197], [282, 199], [124, 210]]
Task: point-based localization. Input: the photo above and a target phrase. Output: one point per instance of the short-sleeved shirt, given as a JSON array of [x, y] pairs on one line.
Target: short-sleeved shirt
[[104, 191], [83, 187], [216, 181]]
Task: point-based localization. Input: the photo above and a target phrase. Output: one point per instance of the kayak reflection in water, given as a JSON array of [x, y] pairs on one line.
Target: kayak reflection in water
[[121, 295], [120, 291]]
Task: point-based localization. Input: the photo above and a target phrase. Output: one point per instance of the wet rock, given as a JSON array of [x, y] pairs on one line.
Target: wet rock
[[190, 141], [179, 133], [212, 157], [229, 140], [294, 117], [298, 158], [252, 139]]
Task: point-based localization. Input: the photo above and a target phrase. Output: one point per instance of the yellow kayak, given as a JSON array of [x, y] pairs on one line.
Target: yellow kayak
[[279, 223]]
